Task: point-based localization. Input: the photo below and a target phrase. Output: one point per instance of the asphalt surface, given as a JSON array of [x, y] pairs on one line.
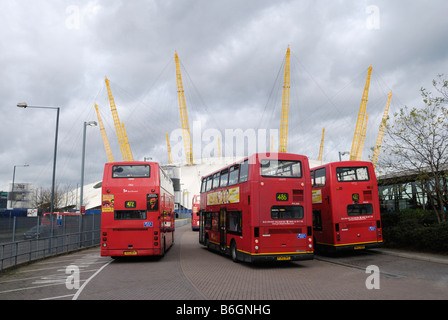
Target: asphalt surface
[[189, 272]]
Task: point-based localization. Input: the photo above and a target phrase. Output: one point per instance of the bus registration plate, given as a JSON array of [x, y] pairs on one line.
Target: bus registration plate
[[359, 247], [130, 253], [283, 258]]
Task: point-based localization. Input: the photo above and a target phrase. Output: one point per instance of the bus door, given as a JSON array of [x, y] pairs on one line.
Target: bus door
[[322, 207], [222, 229]]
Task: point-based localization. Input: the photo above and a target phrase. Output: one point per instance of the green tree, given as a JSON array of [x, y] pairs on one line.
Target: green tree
[[417, 142]]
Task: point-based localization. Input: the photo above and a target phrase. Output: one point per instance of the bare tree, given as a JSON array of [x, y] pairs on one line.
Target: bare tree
[[417, 142], [63, 198]]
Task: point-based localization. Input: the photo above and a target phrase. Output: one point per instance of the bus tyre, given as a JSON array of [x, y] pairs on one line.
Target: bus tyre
[[233, 251]]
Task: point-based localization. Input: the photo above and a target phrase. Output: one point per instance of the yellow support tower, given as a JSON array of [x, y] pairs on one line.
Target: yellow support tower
[[118, 127], [379, 139], [126, 144], [321, 150], [285, 107], [361, 116], [183, 114], [110, 157], [170, 158], [362, 139]]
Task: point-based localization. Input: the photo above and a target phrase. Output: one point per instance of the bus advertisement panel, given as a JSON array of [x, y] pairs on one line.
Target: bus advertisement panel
[[346, 212], [259, 209], [137, 211]]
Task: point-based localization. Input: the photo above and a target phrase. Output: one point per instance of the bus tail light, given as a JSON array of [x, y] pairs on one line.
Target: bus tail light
[[156, 244], [336, 228], [378, 230], [309, 231]]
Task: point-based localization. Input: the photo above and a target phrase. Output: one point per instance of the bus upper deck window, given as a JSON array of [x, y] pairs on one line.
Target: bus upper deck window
[[131, 171], [352, 174], [281, 168]]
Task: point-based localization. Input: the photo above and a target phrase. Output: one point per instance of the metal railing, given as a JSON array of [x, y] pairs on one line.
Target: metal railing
[[24, 239]]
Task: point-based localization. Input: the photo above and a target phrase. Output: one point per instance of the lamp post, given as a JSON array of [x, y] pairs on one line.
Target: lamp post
[[92, 124], [344, 153], [13, 178], [25, 105]]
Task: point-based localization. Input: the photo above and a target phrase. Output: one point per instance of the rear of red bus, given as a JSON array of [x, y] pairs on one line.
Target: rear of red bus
[[282, 208], [346, 207], [137, 216], [195, 213]]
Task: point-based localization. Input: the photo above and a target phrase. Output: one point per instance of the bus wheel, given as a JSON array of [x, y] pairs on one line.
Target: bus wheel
[[233, 251]]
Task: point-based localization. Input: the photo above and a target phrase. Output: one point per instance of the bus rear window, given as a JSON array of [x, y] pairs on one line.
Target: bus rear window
[[286, 212], [130, 215], [131, 171], [364, 209], [281, 168], [352, 174]]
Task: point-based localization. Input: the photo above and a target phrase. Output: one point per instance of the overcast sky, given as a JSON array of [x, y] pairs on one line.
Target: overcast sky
[[58, 53]]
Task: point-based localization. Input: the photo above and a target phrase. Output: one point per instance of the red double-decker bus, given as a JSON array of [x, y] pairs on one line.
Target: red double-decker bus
[[195, 212], [259, 209], [346, 212], [137, 211]]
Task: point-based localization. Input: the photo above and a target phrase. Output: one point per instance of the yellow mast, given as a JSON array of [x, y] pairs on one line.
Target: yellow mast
[[285, 106], [169, 149], [126, 144], [321, 150], [122, 141], [362, 139], [183, 114], [110, 157], [361, 118], [379, 139]]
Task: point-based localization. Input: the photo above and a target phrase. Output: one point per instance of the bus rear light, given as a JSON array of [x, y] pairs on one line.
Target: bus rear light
[[104, 233], [104, 244], [256, 240], [256, 247], [338, 237], [156, 233], [378, 224], [104, 239], [156, 238], [309, 231], [156, 244]]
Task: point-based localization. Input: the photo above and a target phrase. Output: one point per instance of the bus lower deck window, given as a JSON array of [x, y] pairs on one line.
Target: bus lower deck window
[[287, 212], [359, 209], [130, 215]]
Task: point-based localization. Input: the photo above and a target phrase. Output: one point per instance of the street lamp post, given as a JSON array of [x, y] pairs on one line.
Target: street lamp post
[[25, 105], [93, 124]]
